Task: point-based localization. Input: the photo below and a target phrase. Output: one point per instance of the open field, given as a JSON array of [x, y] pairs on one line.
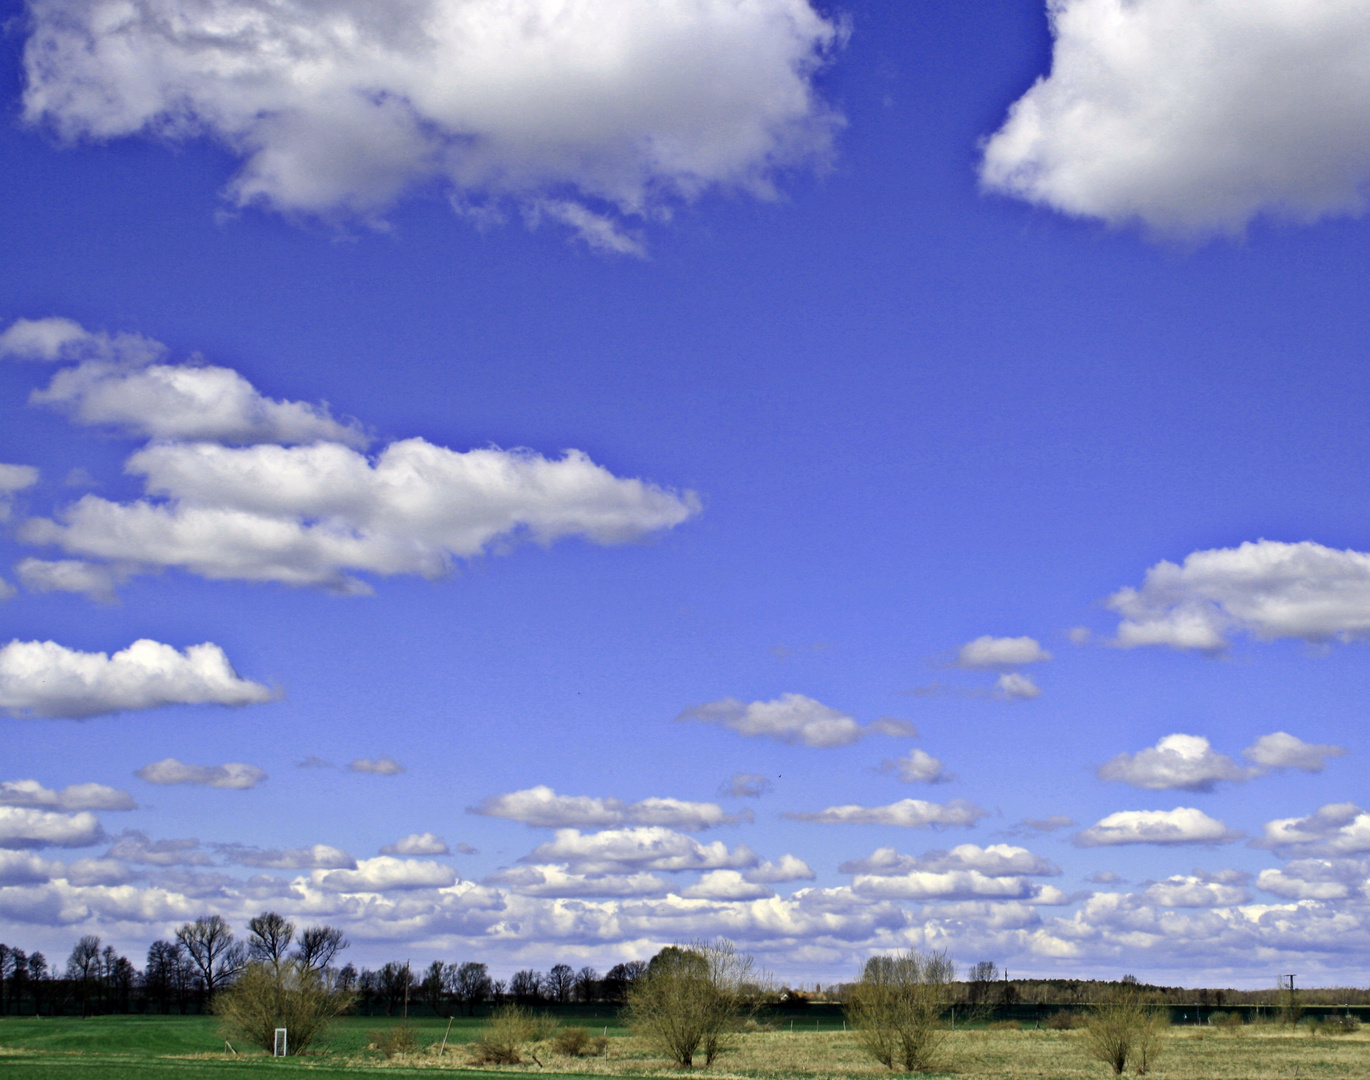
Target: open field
[[190, 1048]]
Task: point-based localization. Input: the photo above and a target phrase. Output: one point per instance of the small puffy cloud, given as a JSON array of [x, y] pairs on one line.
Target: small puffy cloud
[[14, 479], [1106, 877], [794, 719], [995, 860], [542, 807], [1284, 751], [587, 114], [1317, 879], [726, 885], [314, 857], [1080, 635], [318, 514], [27, 827], [1200, 890], [1183, 825], [1165, 112], [381, 766], [235, 774], [42, 678], [1266, 589], [1336, 829], [946, 885], [1177, 762], [557, 881], [917, 767], [745, 786], [418, 844], [988, 653], [1015, 686], [135, 846], [906, 813], [648, 848], [785, 868], [73, 797], [7, 591], [73, 576], [387, 874]]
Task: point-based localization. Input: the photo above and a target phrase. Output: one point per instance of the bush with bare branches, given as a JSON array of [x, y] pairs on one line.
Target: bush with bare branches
[[897, 1006], [288, 995]]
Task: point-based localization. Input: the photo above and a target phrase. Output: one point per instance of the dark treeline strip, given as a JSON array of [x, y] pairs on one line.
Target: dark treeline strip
[[182, 975]]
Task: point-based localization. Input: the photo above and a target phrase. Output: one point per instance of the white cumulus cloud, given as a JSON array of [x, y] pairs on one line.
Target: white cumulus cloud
[[318, 514], [1336, 829], [995, 860], [72, 797], [1317, 879], [557, 881], [1199, 890], [745, 786], [647, 848], [726, 885], [135, 846], [314, 857], [14, 479], [917, 767], [118, 383], [542, 807], [387, 874], [1194, 117], [42, 678], [235, 774], [988, 653], [27, 827], [1015, 686], [1183, 825], [906, 813], [1183, 762], [786, 868], [794, 719], [1284, 751], [418, 844], [584, 111], [71, 575], [1265, 588]]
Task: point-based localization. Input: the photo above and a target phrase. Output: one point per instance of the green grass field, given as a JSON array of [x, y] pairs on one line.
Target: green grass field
[[190, 1048]]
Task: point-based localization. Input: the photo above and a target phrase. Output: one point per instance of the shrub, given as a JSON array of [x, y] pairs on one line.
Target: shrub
[[1005, 1025], [1227, 1020], [897, 1006], [291, 996], [511, 1028], [399, 1039], [692, 998], [571, 1041], [1124, 1029], [1340, 1025], [1065, 1020]]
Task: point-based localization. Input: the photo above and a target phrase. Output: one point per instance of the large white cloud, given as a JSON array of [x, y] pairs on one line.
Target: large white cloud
[[316, 514], [794, 719], [1194, 117], [1183, 825], [72, 797], [118, 384], [988, 653], [1333, 830], [578, 111], [995, 860], [1200, 890], [235, 774], [558, 881], [42, 678], [1264, 588], [906, 813], [1318, 879], [26, 827], [418, 844], [618, 851], [542, 807]]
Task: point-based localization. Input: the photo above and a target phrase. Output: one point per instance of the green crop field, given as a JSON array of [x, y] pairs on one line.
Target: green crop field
[[191, 1048]]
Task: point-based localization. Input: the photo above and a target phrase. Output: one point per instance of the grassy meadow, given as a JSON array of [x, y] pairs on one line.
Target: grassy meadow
[[188, 1048]]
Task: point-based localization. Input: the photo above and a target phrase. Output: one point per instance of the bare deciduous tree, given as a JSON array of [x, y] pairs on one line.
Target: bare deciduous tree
[[560, 981], [1125, 1028], [318, 945], [209, 943], [269, 937], [897, 1006]]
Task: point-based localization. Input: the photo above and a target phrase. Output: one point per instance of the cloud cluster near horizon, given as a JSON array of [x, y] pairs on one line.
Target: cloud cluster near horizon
[[586, 114], [1165, 112], [541, 807]]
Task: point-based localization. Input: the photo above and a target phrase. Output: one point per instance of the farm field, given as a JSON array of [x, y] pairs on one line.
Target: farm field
[[190, 1048]]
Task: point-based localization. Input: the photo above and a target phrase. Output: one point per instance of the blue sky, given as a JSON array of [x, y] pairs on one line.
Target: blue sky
[[759, 407]]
